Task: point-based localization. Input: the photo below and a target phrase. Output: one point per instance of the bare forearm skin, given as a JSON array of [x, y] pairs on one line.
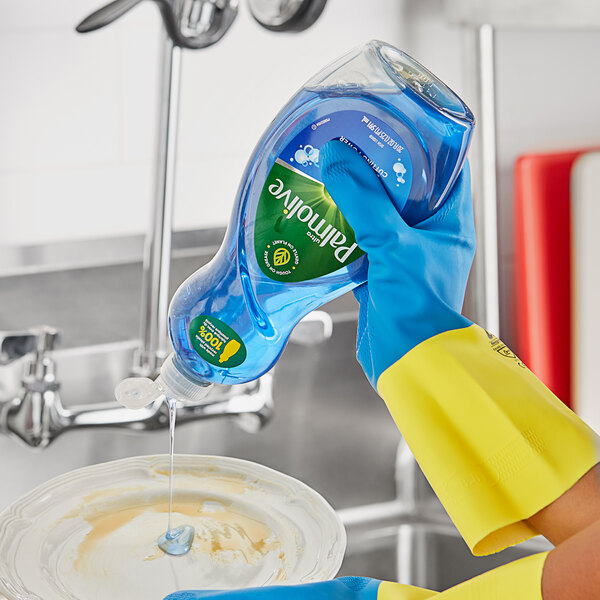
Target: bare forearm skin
[[572, 524], [572, 569]]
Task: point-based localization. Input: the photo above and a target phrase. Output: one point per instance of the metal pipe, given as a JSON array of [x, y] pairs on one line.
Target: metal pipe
[[157, 252], [488, 187]]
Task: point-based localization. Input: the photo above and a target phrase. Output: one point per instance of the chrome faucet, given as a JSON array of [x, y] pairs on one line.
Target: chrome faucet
[[37, 416], [36, 413]]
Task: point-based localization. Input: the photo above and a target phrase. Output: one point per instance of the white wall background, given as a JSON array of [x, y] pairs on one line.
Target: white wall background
[[548, 94], [78, 113]]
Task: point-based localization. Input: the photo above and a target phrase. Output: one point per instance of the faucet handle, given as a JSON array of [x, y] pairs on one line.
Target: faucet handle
[[193, 24], [16, 344], [105, 15], [46, 337]]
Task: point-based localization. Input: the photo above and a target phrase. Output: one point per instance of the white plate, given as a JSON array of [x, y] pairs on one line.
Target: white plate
[[91, 534]]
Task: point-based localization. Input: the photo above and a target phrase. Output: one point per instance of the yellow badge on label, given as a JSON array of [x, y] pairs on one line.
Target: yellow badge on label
[[281, 257]]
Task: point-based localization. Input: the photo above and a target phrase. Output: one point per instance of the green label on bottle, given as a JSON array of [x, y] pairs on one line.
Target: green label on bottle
[[216, 342], [300, 233]]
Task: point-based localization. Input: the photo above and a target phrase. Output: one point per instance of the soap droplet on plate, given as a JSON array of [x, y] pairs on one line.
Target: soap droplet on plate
[[177, 541]]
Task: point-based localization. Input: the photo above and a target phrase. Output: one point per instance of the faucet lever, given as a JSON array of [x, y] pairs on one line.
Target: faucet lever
[[106, 15], [45, 338]]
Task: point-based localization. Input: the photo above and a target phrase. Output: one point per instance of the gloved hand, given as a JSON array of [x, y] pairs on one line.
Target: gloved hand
[[417, 275], [496, 445]]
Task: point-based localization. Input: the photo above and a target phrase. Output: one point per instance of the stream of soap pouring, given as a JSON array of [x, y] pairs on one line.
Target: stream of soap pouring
[[174, 541]]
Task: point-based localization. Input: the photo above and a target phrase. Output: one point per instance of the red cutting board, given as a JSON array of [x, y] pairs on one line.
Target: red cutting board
[[542, 244]]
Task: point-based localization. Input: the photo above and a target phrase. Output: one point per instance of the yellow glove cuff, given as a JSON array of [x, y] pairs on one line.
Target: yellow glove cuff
[[518, 580], [398, 591], [496, 445]]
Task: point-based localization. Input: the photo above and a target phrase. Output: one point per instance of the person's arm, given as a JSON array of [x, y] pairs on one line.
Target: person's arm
[[574, 511], [572, 524], [569, 572]]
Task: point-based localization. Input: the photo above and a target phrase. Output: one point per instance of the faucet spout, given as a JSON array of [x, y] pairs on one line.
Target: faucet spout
[[250, 404], [37, 416]]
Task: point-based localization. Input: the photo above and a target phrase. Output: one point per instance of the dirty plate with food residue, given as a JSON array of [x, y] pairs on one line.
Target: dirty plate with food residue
[[91, 534]]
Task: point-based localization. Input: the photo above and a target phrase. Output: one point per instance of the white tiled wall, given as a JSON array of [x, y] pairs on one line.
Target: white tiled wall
[[76, 121], [78, 112]]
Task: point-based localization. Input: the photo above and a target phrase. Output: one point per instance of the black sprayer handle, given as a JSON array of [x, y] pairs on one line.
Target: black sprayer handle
[[106, 15], [181, 19]]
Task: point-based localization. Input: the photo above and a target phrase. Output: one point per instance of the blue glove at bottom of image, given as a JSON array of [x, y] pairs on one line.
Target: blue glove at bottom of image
[[344, 588]]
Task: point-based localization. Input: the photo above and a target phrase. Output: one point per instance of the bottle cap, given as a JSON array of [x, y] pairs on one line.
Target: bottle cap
[[137, 392], [176, 384]]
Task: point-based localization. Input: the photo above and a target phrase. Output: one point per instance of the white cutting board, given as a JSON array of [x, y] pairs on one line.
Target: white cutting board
[[585, 211]]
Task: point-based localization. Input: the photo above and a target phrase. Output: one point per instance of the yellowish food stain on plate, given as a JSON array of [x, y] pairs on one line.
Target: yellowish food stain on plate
[[221, 529]]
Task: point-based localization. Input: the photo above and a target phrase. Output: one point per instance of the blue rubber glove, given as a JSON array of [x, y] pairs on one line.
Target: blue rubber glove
[[345, 588], [417, 276], [494, 443]]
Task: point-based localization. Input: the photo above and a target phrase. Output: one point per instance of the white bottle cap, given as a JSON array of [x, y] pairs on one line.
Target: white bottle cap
[[137, 392]]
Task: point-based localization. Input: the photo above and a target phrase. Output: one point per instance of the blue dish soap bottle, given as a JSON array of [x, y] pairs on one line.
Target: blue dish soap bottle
[[288, 249]]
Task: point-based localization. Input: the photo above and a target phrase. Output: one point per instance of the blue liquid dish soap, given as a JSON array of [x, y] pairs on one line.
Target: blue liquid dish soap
[[288, 249]]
